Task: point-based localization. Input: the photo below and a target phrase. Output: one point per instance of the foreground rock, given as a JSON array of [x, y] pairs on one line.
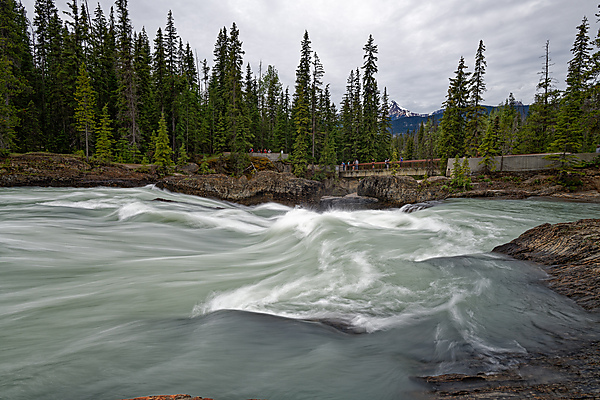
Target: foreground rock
[[570, 253], [266, 186]]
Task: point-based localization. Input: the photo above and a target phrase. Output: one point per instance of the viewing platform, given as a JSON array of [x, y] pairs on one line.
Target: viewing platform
[[411, 167]]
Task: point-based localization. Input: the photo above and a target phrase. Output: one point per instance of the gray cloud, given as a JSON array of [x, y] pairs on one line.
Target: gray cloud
[[420, 42]]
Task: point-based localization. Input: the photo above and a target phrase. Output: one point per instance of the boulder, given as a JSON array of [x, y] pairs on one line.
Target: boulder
[[396, 191], [265, 186], [349, 202]]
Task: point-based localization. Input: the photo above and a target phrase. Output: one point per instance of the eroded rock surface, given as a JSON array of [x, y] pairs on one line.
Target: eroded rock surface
[[397, 191], [570, 253], [266, 186]]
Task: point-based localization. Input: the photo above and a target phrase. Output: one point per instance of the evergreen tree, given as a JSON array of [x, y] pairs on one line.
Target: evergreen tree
[[476, 111], [384, 136], [85, 117], [370, 121], [162, 153], [16, 79], [452, 138], [535, 135], [217, 94], [250, 106], [237, 130], [127, 101], [271, 108], [48, 61], [569, 134], [301, 108], [102, 62], [315, 91], [488, 148], [104, 141], [171, 44], [9, 87], [142, 67]]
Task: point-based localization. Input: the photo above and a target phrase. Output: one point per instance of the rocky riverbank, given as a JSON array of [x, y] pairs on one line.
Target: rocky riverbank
[[570, 254], [44, 169]]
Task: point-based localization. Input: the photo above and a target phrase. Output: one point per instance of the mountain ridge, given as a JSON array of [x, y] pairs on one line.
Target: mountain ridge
[[404, 120]]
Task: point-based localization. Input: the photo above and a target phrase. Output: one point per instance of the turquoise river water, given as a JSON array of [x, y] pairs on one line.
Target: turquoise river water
[[111, 294]]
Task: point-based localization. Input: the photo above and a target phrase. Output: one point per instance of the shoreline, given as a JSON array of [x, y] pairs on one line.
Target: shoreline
[[56, 170], [570, 254]]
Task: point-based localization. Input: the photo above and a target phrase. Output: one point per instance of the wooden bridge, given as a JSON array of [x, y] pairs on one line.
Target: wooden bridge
[[411, 167]]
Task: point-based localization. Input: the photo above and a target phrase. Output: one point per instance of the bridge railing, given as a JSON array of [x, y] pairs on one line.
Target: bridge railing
[[432, 166]]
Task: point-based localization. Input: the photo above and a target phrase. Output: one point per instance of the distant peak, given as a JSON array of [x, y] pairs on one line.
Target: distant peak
[[397, 112]]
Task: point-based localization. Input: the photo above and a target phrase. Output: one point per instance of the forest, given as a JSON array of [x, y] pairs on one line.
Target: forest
[[93, 86]]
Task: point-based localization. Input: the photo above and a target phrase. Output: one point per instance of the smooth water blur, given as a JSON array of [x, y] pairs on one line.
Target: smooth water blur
[[111, 293]]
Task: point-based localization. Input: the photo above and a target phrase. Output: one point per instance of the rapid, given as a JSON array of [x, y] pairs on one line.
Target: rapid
[[117, 293]]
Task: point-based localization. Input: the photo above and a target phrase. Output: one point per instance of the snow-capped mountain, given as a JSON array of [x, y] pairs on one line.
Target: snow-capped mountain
[[397, 112]]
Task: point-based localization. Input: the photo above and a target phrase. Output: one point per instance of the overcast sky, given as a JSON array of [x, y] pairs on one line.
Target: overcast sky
[[420, 41]]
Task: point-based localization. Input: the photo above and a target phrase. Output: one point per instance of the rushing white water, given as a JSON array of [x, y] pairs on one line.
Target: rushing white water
[[111, 293]]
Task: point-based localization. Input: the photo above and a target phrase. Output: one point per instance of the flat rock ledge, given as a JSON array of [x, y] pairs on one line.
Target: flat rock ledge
[[570, 253]]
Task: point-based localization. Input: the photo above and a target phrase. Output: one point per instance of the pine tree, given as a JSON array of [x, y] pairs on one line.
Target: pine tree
[[236, 120], [570, 135], [162, 153], [315, 91], [142, 67], [102, 62], [48, 62], [217, 94], [171, 44], [476, 111], [104, 141], [16, 80], [301, 109], [9, 87], [488, 148], [85, 117], [535, 135], [370, 128], [127, 100], [569, 132], [271, 89], [452, 138], [384, 136]]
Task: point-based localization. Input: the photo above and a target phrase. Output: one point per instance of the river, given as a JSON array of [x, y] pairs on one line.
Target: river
[[116, 293]]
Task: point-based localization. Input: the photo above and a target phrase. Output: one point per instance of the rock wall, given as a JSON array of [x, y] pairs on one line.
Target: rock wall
[[397, 191], [266, 186]]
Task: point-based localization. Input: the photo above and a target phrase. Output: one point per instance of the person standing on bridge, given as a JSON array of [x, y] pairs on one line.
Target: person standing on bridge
[[356, 164]]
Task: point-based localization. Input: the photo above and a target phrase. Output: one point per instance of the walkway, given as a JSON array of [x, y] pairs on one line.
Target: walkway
[[412, 167]]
